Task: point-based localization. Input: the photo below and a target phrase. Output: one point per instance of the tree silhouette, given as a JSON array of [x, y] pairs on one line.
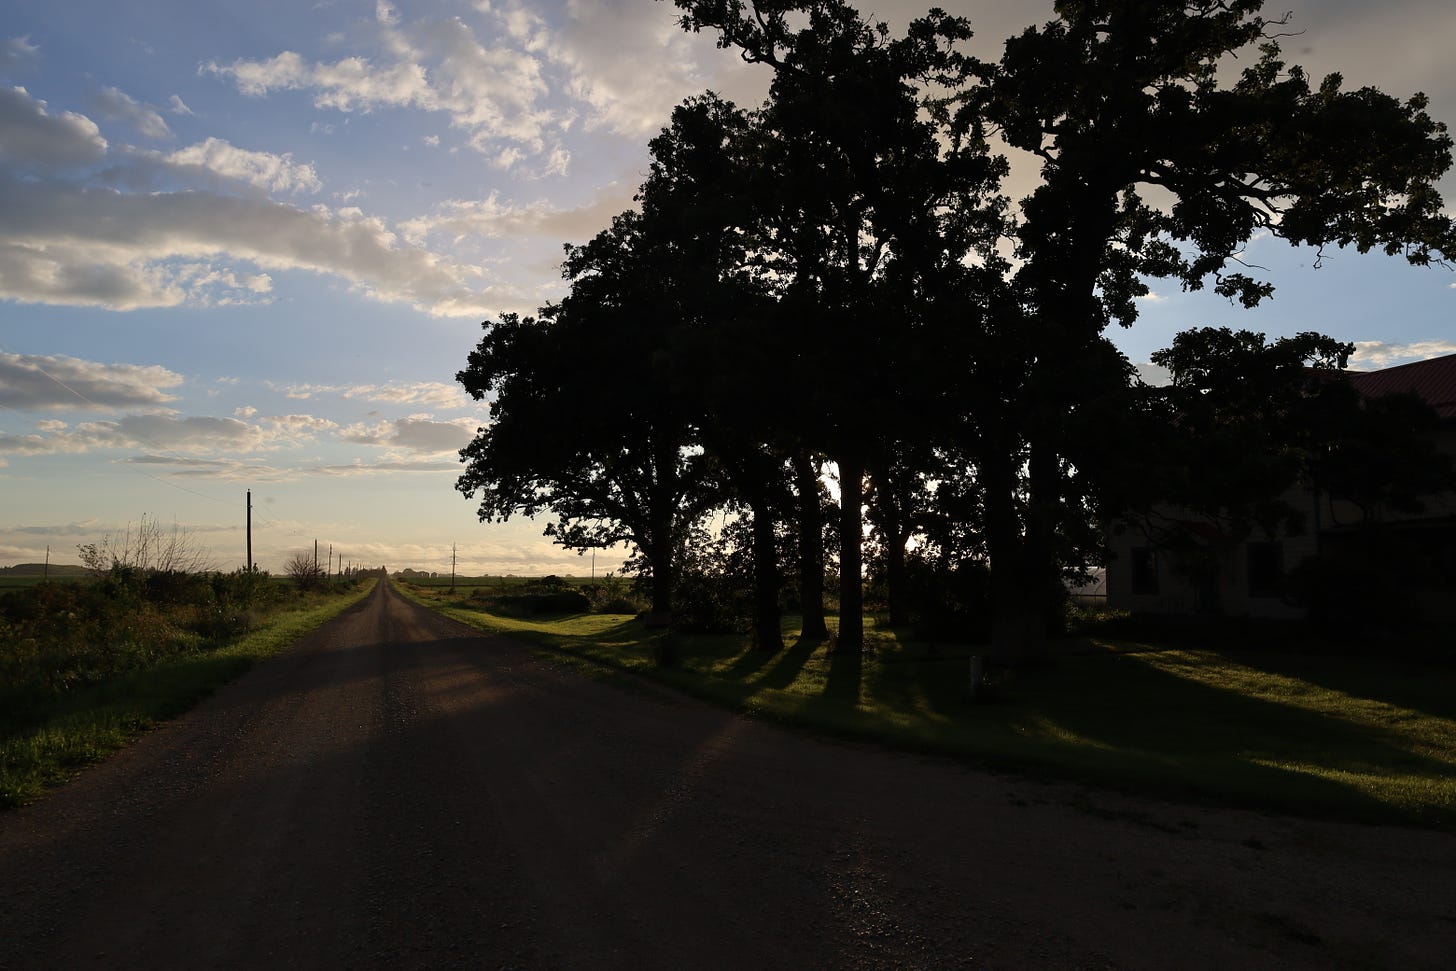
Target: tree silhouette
[[1120, 99]]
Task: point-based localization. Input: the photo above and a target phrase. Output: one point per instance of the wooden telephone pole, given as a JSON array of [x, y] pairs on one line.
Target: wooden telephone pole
[[248, 565]]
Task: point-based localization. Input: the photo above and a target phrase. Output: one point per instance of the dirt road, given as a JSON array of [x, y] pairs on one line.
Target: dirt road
[[398, 791]]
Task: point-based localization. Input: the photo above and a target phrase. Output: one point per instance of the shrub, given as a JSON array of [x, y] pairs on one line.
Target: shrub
[[949, 601], [709, 604]]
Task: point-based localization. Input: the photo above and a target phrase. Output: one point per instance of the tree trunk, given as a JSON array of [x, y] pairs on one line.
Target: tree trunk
[[662, 507], [851, 556], [894, 536], [661, 582], [811, 548], [1040, 573], [1009, 633], [767, 627], [895, 579]]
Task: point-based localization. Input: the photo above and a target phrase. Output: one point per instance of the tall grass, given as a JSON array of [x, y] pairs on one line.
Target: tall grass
[[83, 671]]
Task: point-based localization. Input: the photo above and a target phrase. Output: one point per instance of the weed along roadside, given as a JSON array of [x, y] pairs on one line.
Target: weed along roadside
[[86, 667], [1335, 737]]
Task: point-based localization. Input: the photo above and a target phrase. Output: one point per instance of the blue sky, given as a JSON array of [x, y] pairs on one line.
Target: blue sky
[[248, 245]]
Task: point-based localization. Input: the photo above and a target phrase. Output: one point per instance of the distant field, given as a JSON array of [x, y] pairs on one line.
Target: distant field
[[496, 583]]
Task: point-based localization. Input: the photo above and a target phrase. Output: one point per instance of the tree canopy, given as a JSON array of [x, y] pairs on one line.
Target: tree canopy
[[838, 274]]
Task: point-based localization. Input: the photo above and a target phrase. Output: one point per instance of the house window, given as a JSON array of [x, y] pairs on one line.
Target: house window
[[1266, 569], [1144, 571]]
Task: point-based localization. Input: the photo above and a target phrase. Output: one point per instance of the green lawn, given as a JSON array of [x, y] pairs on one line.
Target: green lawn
[[1332, 736]]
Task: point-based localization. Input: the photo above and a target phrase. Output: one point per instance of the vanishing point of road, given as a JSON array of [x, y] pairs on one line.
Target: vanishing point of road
[[400, 791]]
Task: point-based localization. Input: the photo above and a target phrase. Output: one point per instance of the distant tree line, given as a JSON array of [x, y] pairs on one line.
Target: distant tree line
[[835, 287]]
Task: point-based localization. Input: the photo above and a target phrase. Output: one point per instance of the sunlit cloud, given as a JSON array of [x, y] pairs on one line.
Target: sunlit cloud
[[456, 220], [117, 105], [193, 437], [416, 434], [436, 394], [387, 467], [1374, 355], [31, 381], [70, 242], [276, 173], [511, 82], [36, 140]]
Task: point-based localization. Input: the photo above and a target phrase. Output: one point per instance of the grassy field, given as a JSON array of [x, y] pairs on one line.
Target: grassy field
[[97, 719], [1341, 737], [464, 586]]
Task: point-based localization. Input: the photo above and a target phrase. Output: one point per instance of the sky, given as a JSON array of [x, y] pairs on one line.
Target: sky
[[247, 246]]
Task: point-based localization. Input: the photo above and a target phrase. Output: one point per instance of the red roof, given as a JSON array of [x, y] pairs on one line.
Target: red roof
[[1433, 380]]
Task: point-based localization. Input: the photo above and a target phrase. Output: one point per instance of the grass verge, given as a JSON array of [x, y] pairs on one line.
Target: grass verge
[[1337, 737], [99, 719]]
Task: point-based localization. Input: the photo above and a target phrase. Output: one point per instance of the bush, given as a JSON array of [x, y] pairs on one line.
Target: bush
[[950, 601], [613, 596], [709, 604]]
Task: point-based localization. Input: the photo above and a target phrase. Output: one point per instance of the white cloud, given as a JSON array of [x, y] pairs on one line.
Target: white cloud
[[1154, 375], [74, 245], [276, 173], [35, 140], [29, 381], [192, 437], [178, 107], [74, 237], [515, 85], [416, 434], [458, 219], [246, 411], [1374, 355], [386, 467], [436, 394], [27, 444], [17, 53], [225, 469], [117, 105]]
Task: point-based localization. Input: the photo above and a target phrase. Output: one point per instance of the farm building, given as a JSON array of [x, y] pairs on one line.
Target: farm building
[[1257, 575]]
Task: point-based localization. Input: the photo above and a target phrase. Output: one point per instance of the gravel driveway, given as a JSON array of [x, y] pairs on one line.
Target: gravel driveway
[[399, 791]]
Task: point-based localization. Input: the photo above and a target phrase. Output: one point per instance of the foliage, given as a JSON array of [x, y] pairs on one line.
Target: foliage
[[48, 727], [60, 639], [147, 548], [940, 343], [303, 569]]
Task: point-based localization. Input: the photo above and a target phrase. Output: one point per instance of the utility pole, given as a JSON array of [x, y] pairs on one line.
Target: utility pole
[[331, 559], [46, 573], [452, 567], [315, 557], [249, 564]]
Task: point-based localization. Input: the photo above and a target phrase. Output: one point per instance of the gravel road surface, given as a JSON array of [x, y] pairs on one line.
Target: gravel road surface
[[399, 791]]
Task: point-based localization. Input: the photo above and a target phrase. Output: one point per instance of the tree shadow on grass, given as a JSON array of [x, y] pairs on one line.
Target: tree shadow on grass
[[1202, 738], [846, 678], [783, 666], [1417, 685]]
